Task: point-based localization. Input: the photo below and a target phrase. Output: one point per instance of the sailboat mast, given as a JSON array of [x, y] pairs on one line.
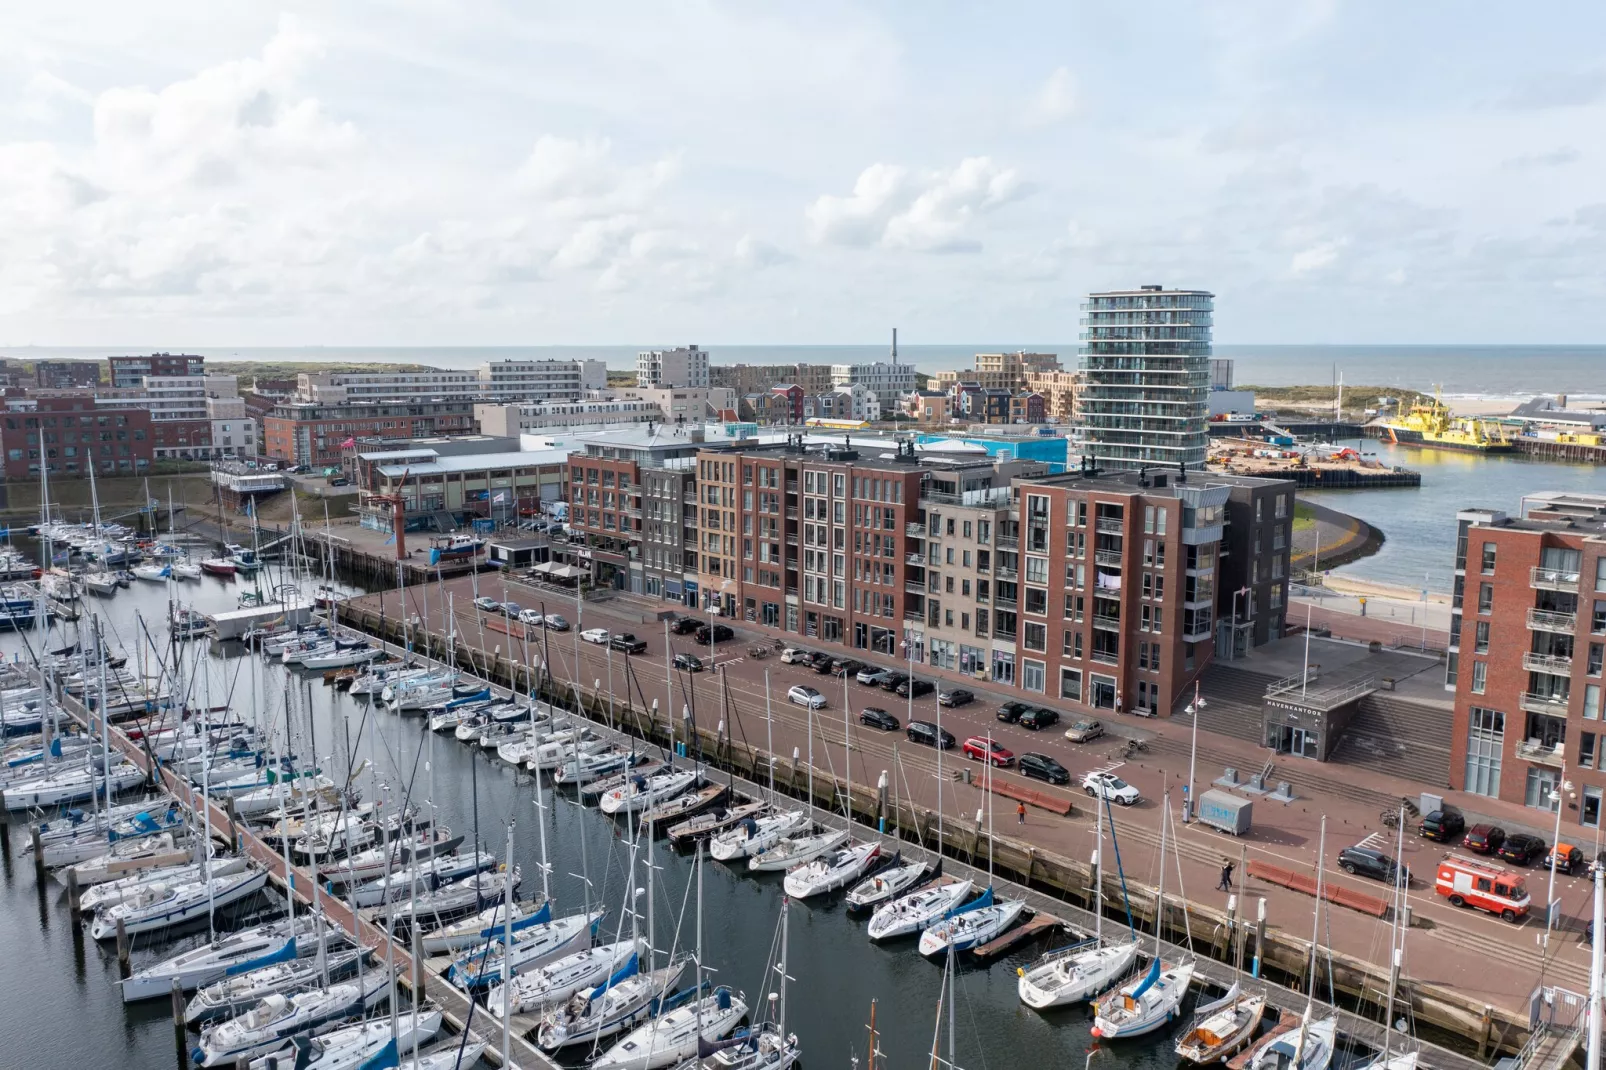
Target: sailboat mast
[[1098, 876], [786, 924], [1159, 902], [1396, 942], [699, 996], [769, 735], [507, 950]]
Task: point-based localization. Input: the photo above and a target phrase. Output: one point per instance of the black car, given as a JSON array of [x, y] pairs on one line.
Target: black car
[[929, 734], [689, 662], [1521, 849], [628, 643], [1042, 767], [893, 680], [685, 625], [1010, 712], [916, 687], [957, 696], [1445, 826], [845, 667], [1484, 839], [821, 663], [876, 717], [719, 635], [1039, 717], [1366, 862]]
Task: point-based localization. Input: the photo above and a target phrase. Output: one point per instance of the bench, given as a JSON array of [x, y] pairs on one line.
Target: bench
[[1300, 882]]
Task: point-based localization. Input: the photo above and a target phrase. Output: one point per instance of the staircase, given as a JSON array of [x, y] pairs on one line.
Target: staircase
[[1235, 702], [1395, 736], [444, 522]]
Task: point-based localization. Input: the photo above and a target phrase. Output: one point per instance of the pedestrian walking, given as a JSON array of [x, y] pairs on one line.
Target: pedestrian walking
[[1226, 876], [1020, 813]]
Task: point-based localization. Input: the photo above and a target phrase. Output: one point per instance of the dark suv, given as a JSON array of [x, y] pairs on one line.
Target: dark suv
[[720, 633], [1521, 849], [1445, 826], [1484, 839], [929, 734], [955, 697], [1010, 712], [914, 686], [845, 667], [685, 625], [893, 680], [628, 643], [1370, 863], [1039, 717], [1042, 767], [876, 717]]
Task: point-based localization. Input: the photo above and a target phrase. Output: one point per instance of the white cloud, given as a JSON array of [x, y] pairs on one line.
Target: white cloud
[[756, 253], [934, 213], [1055, 100], [1314, 259], [861, 217]]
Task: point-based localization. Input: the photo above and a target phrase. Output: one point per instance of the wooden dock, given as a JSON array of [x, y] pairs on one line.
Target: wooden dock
[[1040, 923]]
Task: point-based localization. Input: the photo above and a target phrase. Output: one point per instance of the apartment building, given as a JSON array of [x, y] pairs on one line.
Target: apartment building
[[1016, 367], [815, 379], [1058, 389], [632, 495], [335, 388], [887, 381], [515, 419], [129, 372], [304, 432], [71, 432], [234, 430], [1527, 653], [681, 366], [1252, 600], [541, 380], [66, 374]]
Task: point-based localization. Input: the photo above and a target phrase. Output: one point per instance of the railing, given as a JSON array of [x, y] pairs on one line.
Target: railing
[[1109, 526], [1534, 702], [1008, 542], [915, 529], [1003, 602], [1552, 579], [1105, 657], [918, 560], [1006, 572], [1107, 557], [915, 614], [1551, 663], [1542, 753], [1106, 622], [1549, 620], [914, 586]]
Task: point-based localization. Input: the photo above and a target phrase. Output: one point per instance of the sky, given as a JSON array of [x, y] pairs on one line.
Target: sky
[[481, 173]]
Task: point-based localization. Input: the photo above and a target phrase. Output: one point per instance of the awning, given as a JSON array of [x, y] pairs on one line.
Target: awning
[[547, 566], [569, 572]]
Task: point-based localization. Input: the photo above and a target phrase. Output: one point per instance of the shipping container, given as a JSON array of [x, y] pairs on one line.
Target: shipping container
[[1226, 812]]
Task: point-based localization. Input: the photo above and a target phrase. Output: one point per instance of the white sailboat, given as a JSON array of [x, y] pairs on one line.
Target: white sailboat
[[374, 1043], [978, 922], [226, 956], [754, 834], [161, 906], [911, 913], [561, 978], [537, 945], [830, 871], [643, 793], [235, 995], [1222, 1026], [278, 1017], [1311, 1046], [1070, 975]]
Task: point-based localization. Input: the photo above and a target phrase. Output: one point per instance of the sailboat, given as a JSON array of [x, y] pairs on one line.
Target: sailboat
[[1079, 972], [278, 1017], [1222, 1026], [755, 834], [912, 913], [561, 978], [767, 1046], [977, 922], [888, 884], [839, 867], [1144, 1005], [1310, 1047], [1407, 1058]]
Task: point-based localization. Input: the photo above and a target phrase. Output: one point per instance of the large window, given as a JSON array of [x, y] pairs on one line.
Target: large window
[[1036, 637], [1486, 739], [1003, 667], [1071, 684], [1031, 676], [1541, 790]]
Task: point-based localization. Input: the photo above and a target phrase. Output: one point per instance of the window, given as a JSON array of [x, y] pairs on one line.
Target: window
[[1597, 621], [1071, 684], [1486, 740], [1037, 601], [1065, 643], [1540, 791], [1485, 597], [1586, 750], [1036, 637], [1591, 702], [1590, 816], [1482, 646], [1480, 676], [1488, 559], [1592, 666], [1032, 674], [1600, 574]]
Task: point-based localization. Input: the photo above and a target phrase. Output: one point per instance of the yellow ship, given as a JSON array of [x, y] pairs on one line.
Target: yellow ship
[[1433, 425]]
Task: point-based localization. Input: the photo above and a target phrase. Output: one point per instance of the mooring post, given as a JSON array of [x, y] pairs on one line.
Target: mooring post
[[72, 892], [180, 1037], [1260, 939], [123, 966], [234, 834], [38, 852]]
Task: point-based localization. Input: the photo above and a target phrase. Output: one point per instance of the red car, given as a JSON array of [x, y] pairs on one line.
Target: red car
[[989, 750]]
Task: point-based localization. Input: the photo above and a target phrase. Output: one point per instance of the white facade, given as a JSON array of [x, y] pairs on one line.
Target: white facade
[[685, 366], [509, 421], [678, 404], [541, 380], [862, 403], [887, 381], [175, 397], [336, 388]]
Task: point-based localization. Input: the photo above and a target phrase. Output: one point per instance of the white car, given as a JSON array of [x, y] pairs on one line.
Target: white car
[[806, 696], [1111, 787], [792, 655], [595, 635], [532, 616]]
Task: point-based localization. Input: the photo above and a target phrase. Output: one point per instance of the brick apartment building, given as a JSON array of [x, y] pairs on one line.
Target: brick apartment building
[[66, 374], [130, 372], [1527, 646], [310, 433], [71, 431]]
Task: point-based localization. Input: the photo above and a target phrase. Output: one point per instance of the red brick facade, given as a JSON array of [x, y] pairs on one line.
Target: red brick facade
[[74, 429]]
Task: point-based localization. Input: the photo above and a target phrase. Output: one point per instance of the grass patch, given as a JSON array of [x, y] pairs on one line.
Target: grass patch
[[1304, 517]]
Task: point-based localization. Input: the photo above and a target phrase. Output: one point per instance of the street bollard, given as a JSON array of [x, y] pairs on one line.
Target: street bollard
[[123, 966]]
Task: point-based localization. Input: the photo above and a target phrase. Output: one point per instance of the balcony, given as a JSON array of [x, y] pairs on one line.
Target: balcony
[[1004, 603], [1105, 657], [1548, 620], [1108, 623], [1109, 526], [914, 586], [917, 560], [1200, 631], [1006, 572], [915, 615], [1554, 664], [1108, 557], [791, 512], [1550, 705], [689, 497], [1552, 579], [1008, 542], [914, 530], [1541, 753]]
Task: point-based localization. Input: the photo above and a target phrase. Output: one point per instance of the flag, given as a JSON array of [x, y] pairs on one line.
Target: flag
[[350, 443], [501, 496]]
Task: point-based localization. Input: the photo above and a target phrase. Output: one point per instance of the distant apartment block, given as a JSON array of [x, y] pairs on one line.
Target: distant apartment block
[[541, 380], [1527, 659], [128, 372], [334, 388], [526, 416], [66, 374], [71, 432], [304, 432], [683, 366], [1146, 377], [1058, 389], [887, 381], [815, 379]]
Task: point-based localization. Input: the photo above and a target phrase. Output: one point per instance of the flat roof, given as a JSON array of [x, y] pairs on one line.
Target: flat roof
[[479, 462], [396, 455]]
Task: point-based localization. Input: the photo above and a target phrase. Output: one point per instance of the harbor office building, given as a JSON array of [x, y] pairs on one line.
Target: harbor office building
[[1527, 654], [445, 493]]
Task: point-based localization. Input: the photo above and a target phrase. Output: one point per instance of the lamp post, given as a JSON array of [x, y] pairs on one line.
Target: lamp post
[[1234, 635], [1194, 709], [1563, 786]]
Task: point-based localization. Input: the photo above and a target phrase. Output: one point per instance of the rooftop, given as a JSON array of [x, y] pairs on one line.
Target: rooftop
[[477, 462]]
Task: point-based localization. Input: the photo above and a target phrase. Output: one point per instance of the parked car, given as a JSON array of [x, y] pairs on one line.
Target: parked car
[[1369, 862], [955, 696], [803, 695], [1110, 787], [688, 663], [628, 643], [512, 609], [1039, 717], [340, 481], [872, 675], [877, 717], [1042, 767], [532, 616], [914, 686], [845, 666], [1084, 731], [595, 635], [684, 625], [1569, 859], [718, 635], [487, 604], [1445, 826], [793, 655], [1484, 839], [1521, 849], [892, 680], [929, 734], [821, 663], [556, 623], [1010, 712], [982, 749]]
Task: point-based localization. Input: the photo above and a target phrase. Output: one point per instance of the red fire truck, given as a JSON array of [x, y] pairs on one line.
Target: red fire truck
[[1472, 882]]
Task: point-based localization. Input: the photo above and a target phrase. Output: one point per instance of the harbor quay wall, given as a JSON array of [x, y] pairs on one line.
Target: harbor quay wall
[[1232, 940]]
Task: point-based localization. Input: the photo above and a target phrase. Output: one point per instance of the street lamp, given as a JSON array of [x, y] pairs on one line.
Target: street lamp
[[1554, 795], [1193, 709], [1234, 636]]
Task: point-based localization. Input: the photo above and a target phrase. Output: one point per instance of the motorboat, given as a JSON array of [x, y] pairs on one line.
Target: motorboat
[[675, 1034], [482, 966], [1143, 1005], [830, 871], [228, 955], [972, 925], [619, 1003], [911, 913], [161, 906], [280, 1016], [887, 883], [243, 559], [1222, 1026], [539, 989], [754, 834], [796, 850], [643, 792]]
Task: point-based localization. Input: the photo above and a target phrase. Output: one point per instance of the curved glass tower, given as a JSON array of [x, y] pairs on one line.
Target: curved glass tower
[[1145, 361]]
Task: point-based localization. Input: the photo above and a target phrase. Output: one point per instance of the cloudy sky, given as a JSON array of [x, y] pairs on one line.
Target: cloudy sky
[[433, 173]]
